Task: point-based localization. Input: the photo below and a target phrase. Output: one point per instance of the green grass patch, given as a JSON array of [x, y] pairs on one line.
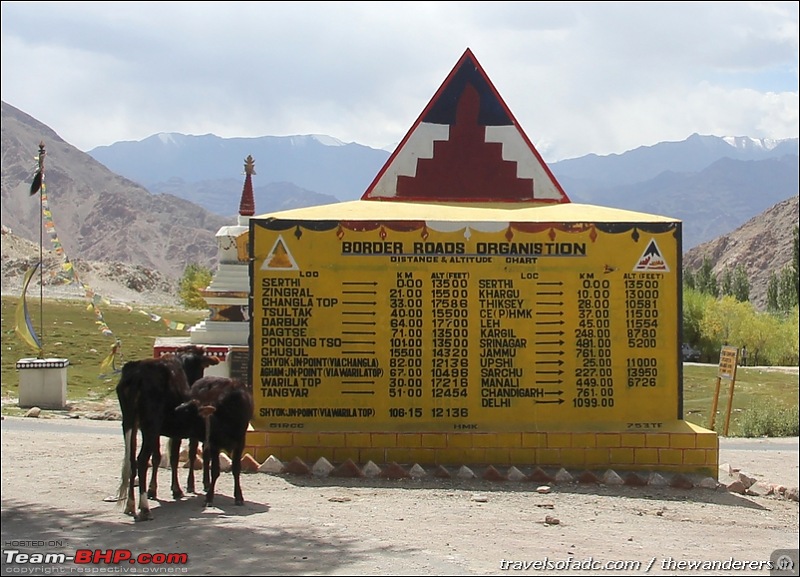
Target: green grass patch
[[756, 390], [770, 419], [71, 330]]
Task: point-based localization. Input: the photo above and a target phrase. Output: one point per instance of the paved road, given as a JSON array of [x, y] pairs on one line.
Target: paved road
[[62, 425], [791, 444]]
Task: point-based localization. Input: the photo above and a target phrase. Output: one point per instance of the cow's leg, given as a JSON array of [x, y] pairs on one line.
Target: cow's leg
[[206, 467], [236, 468], [192, 457], [207, 411], [130, 455], [141, 468], [214, 458], [174, 457], [152, 490]]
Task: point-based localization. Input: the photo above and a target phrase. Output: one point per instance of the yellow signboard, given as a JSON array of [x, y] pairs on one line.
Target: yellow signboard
[[415, 326]]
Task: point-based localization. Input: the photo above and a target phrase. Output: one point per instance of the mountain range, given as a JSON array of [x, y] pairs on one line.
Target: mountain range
[[158, 202], [713, 184]]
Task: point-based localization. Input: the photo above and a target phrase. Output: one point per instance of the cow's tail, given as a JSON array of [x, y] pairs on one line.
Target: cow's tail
[[125, 475]]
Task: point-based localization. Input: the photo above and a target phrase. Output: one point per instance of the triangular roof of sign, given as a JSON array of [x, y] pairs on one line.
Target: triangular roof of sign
[[466, 147]]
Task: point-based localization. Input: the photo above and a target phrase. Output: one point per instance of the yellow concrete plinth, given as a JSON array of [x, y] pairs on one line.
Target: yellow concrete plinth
[[675, 447]]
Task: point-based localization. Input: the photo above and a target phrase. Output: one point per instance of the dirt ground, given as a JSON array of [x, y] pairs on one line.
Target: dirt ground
[[57, 475]]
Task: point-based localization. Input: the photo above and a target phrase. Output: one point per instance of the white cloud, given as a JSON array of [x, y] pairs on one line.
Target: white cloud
[[579, 77]]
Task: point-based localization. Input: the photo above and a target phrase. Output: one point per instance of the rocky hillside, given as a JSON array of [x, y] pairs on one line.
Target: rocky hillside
[[96, 214], [763, 245], [117, 282]]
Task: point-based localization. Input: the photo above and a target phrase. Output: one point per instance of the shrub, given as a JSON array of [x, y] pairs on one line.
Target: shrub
[[195, 278], [769, 419]]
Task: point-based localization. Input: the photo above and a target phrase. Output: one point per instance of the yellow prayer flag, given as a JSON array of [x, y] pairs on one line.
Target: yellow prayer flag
[[24, 327]]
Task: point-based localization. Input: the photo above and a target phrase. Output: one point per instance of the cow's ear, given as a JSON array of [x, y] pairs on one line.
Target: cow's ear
[[210, 361], [207, 410]]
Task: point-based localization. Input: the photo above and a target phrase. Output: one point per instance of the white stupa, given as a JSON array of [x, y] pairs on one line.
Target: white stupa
[[225, 332]]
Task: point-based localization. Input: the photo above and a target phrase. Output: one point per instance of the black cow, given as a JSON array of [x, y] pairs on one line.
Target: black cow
[[149, 390], [224, 408]]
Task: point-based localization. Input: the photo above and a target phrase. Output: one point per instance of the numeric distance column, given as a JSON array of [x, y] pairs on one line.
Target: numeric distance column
[[406, 360]]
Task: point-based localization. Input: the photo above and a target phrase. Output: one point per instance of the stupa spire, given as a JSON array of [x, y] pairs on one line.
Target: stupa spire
[[247, 204]]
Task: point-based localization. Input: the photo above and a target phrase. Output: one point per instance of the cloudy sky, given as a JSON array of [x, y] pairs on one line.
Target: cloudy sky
[[580, 77]]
